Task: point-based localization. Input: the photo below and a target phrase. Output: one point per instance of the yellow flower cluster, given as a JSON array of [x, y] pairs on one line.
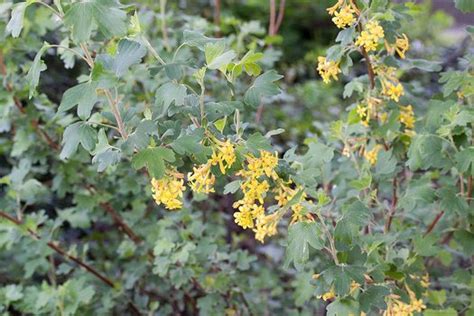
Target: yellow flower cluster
[[201, 180], [396, 307], [254, 188], [370, 37], [407, 116], [251, 213], [371, 155], [328, 69], [168, 191], [345, 17], [391, 86], [224, 156], [284, 194], [393, 91], [365, 113]]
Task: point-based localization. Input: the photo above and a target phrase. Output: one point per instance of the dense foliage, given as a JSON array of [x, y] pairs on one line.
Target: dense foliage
[[154, 161]]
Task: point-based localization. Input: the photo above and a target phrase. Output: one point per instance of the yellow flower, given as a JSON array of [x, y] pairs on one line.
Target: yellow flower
[[244, 219], [328, 295], [345, 17], [168, 191], [266, 225], [354, 287], [371, 155], [328, 69], [407, 116], [224, 156], [402, 45], [334, 8], [393, 91], [361, 111], [425, 281], [201, 180], [370, 37]]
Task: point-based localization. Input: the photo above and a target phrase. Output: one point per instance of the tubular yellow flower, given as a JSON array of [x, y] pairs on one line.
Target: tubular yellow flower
[[370, 37], [244, 219], [402, 45], [407, 116], [328, 69], [224, 156], [393, 91], [201, 180], [266, 226], [371, 155], [334, 8], [328, 295], [168, 191], [345, 17]]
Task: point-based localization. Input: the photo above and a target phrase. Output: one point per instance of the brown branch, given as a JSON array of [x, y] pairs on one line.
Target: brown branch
[[469, 187], [217, 17], [393, 206], [118, 220], [434, 222], [281, 14], [271, 22], [55, 246]]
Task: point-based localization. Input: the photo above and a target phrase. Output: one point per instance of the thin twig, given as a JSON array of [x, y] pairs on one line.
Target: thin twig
[[217, 17], [393, 206], [281, 14], [55, 246], [434, 222], [116, 113], [271, 22], [121, 223]]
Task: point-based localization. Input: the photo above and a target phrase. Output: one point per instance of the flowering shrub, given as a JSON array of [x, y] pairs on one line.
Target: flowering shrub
[[374, 212]]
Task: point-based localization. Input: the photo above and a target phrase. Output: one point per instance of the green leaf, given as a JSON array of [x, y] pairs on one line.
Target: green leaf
[[83, 95], [15, 24], [106, 14], [450, 201], [301, 236], [154, 160], [191, 145], [421, 64], [374, 296], [263, 86], [75, 134], [465, 6], [386, 163], [465, 161], [440, 312], [345, 306], [350, 87], [232, 187], [196, 39], [257, 142], [466, 239], [168, 93], [36, 68], [79, 18], [216, 57], [128, 53], [437, 297]]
